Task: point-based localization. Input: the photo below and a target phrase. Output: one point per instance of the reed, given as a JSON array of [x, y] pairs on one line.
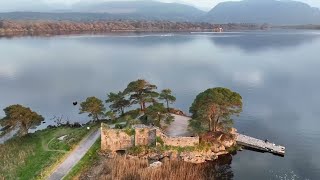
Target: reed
[[122, 168]]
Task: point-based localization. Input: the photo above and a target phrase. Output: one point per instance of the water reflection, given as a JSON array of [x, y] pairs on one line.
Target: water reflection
[[219, 169], [276, 74], [253, 42]]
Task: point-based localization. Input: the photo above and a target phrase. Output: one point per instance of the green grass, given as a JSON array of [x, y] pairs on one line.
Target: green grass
[[35, 155], [88, 159]]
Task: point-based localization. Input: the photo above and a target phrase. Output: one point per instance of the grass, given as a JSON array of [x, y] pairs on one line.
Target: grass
[[89, 158], [132, 169], [35, 155]]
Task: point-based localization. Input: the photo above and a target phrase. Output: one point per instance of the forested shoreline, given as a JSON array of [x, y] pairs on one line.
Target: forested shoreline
[[29, 28]]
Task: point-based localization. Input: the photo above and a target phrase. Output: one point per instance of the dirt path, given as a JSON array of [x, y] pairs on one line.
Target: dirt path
[[75, 156], [46, 147], [179, 127]]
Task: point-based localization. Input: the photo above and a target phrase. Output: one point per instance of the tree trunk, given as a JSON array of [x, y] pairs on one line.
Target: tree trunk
[[96, 117], [23, 130], [216, 124], [168, 105], [210, 123], [159, 121], [122, 111], [144, 105], [141, 107]]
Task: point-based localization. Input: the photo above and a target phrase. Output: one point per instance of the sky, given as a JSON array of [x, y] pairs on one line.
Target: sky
[[10, 5]]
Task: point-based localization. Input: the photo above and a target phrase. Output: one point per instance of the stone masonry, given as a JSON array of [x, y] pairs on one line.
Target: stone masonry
[[117, 139]]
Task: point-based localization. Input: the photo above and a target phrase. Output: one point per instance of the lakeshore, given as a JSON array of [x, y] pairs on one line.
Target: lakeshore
[[50, 28], [198, 62]]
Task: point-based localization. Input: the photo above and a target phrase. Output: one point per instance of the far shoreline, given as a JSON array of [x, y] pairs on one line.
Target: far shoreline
[[52, 28]]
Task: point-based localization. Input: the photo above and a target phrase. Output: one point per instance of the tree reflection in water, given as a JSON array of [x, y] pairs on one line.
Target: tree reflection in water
[[219, 169]]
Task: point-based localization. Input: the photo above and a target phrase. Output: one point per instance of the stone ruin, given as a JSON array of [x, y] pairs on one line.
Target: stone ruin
[[118, 139]]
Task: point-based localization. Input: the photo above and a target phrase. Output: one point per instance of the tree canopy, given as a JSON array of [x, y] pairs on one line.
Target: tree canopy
[[94, 107], [22, 117], [167, 96], [118, 102], [141, 92], [157, 114], [215, 107]]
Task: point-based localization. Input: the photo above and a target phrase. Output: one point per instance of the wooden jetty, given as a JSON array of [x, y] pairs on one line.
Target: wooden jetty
[[261, 145]]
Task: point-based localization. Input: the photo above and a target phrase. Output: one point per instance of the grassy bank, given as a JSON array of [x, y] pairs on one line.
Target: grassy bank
[[131, 169], [90, 158], [35, 155]]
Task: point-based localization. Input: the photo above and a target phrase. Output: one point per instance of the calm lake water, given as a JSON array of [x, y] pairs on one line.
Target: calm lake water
[[277, 73]]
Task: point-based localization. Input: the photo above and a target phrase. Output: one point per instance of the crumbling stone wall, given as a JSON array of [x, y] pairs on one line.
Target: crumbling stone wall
[[178, 141], [181, 141], [145, 136], [115, 139]]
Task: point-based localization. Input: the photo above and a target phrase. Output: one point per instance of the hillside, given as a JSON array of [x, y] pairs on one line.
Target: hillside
[[264, 11], [275, 12], [129, 10]]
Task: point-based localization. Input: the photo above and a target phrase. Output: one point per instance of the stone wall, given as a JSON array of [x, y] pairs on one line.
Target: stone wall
[[115, 139], [178, 141], [181, 141], [145, 136]]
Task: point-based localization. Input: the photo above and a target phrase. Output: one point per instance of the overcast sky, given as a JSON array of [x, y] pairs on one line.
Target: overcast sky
[[9, 5]]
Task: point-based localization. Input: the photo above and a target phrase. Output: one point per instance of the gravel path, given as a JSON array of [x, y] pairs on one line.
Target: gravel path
[[75, 156], [179, 127]]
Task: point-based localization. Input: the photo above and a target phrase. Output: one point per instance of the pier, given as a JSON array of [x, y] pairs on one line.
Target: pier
[[260, 145]]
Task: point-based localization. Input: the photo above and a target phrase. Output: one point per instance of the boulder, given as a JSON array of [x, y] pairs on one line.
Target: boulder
[[198, 157], [155, 164], [217, 147], [155, 156], [228, 143]]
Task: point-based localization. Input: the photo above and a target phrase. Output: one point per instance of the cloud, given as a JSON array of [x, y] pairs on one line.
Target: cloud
[[253, 78]]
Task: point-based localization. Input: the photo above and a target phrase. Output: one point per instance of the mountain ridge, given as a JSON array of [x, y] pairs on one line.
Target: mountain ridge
[[264, 11], [247, 11]]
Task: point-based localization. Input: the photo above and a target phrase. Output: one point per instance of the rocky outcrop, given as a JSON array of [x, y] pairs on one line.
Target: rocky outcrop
[[177, 112], [151, 143], [191, 157], [198, 157]]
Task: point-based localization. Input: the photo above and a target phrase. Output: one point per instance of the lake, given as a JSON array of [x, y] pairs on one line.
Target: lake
[[276, 72]]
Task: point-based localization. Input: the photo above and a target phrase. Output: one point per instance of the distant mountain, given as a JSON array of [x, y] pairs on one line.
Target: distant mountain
[[132, 10], [264, 11], [145, 9], [276, 12]]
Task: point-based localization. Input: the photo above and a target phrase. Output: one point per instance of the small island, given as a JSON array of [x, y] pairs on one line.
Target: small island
[[139, 132], [210, 127]]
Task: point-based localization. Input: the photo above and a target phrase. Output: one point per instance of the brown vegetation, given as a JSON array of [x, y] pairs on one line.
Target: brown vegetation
[[11, 28], [137, 169]]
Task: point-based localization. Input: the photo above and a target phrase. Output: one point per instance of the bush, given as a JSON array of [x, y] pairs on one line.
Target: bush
[[136, 150], [234, 149], [120, 126], [130, 131], [159, 140], [134, 114]]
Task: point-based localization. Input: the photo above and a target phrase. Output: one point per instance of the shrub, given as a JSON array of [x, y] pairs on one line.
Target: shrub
[[136, 150], [134, 114], [234, 149], [119, 126], [159, 140], [130, 131]]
